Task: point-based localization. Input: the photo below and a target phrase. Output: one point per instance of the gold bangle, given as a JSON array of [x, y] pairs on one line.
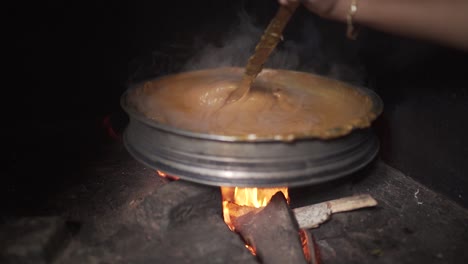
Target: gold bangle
[[352, 31]]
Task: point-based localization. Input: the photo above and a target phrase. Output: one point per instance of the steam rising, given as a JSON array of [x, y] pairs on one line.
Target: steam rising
[[239, 44], [317, 46], [305, 52]]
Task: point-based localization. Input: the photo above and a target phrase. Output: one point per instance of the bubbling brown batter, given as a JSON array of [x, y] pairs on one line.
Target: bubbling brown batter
[[281, 104]]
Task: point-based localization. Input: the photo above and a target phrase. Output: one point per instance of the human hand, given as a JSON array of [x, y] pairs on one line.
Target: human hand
[[332, 9], [424, 19]]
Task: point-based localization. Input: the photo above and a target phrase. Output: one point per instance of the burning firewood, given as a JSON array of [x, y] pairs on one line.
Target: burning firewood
[[269, 227], [272, 232]]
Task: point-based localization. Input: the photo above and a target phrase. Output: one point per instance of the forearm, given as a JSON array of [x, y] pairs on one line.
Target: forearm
[[443, 21]]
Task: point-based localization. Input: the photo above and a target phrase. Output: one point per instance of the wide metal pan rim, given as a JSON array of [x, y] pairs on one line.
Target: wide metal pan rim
[[363, 122]]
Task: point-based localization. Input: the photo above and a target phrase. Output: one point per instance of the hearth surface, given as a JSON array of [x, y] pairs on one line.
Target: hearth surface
[[124, 213]]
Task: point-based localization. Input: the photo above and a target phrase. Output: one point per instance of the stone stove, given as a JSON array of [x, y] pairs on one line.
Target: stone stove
[[126, 213]]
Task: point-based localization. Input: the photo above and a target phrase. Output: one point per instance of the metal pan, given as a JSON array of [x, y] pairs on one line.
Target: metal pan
[[309, 157]]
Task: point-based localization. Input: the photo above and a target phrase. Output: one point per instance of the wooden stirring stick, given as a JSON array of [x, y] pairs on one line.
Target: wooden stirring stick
[[266, 45]]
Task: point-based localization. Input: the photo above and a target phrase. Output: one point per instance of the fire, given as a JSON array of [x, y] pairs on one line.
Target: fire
[[305, 245], [239, 201], [161, 174], [164, 175], [251, 249]]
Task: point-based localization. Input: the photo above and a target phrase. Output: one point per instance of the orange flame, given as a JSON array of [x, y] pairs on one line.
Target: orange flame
[[239, 201]]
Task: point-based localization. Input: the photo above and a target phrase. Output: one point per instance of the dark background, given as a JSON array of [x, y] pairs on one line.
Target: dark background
[[67, 65]]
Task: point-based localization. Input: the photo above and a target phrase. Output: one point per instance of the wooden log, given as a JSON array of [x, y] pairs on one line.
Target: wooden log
[[272, 232], [313, 215]]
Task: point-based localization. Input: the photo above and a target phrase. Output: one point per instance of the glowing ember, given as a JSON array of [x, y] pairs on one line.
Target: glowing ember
[[305, 245], [164, 175], [107, 125], [240, 201], [251, 249]]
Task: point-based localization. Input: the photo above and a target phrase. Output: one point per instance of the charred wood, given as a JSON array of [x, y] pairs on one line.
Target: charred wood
[[272, 232]]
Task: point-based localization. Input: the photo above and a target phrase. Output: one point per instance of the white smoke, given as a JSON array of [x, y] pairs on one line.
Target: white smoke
[[238, 45], [305, 52]]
